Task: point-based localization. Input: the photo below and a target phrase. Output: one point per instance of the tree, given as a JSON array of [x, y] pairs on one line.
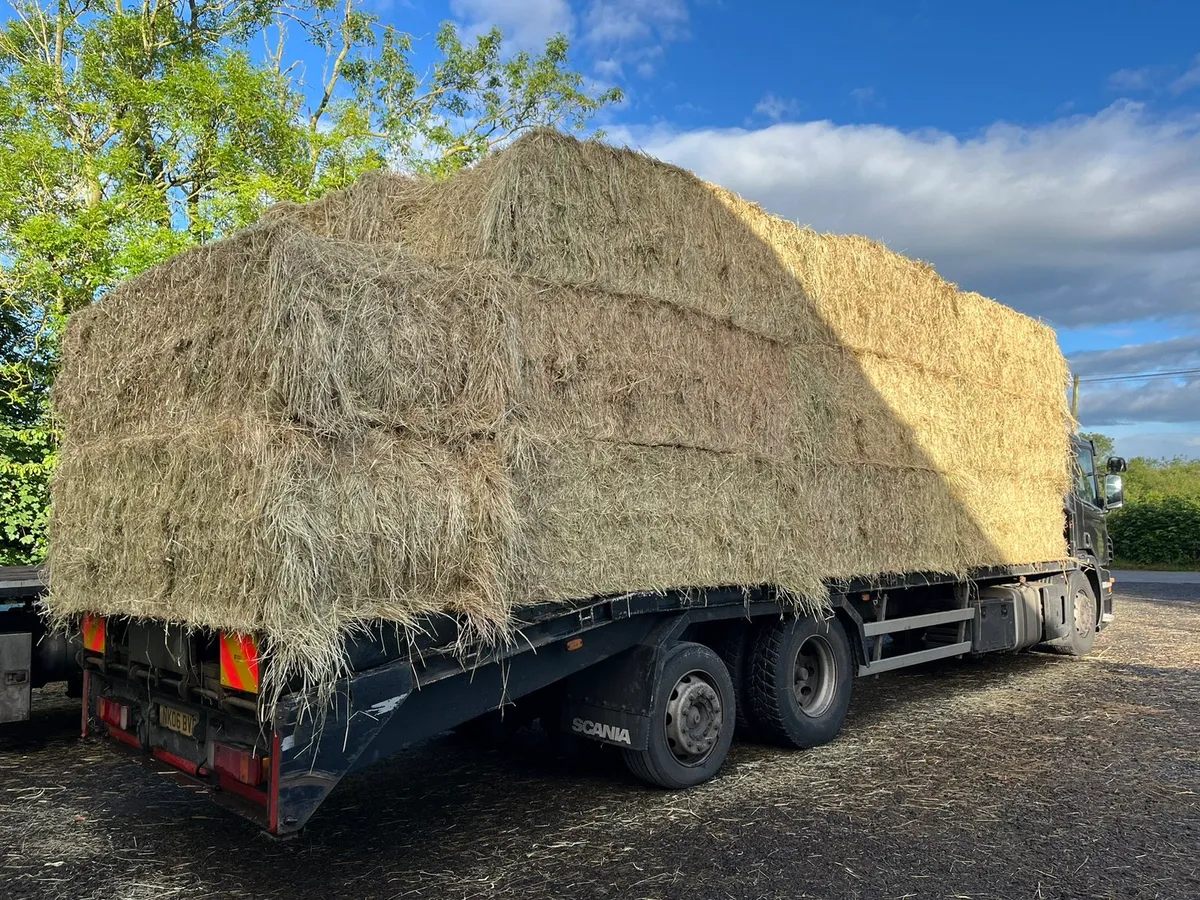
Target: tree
[[1102, 442], [130, 132]]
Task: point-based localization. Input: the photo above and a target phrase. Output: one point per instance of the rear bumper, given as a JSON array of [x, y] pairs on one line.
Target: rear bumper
[[186, 759]]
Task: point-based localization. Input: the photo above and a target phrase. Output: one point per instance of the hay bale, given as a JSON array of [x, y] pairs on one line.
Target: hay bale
[[569, 371], [269, 529], [277, 323]]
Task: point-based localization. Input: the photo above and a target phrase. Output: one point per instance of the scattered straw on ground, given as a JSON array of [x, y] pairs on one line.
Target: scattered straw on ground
[[1014, 776]]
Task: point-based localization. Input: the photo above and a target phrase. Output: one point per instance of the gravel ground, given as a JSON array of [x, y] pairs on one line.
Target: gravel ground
[[1028, 776]]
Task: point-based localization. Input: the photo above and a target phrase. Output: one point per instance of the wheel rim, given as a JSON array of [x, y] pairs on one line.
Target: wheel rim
[[814, 676], [1083, 613], [694, 718]]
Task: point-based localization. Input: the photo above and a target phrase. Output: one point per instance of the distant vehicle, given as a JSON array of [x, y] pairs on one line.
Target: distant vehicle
[[29, 656], [663, 677]]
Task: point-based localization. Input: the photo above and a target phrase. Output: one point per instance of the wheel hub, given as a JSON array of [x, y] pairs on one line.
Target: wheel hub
[[814, 677], [694, 719], [1083, 613]]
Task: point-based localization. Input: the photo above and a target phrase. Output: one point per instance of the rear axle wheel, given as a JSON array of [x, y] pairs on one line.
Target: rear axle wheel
[[801, 681], [691, 721]]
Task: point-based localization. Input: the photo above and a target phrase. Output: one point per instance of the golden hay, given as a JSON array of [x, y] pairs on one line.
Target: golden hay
[[569, 371]]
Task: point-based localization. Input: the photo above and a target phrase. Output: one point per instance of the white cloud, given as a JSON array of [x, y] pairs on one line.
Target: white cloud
[[634, 32], [1165, 399], [1129, 442], [609, 68], [1189, 79], [776, 108], [1133, 80], [1158, 400], [864, 95], [1082, 221], [635, 21], [526, 23]]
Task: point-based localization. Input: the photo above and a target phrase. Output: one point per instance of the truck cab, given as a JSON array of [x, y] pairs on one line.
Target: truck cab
[[1095, 492]]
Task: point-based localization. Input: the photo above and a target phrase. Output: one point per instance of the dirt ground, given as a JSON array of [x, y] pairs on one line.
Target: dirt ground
[[1028, 776]]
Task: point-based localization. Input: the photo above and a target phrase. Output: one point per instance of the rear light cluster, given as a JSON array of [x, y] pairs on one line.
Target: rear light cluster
[[113, 713], [243, 766]]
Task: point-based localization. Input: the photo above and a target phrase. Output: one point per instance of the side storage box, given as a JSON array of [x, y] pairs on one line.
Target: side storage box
[[15, 676]]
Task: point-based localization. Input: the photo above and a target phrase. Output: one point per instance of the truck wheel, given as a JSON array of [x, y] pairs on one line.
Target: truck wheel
[[736, 649], [691, 723], [801, 682], [1082, 636]]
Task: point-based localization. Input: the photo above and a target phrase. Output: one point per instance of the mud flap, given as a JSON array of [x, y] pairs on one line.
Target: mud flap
[[611, 701], [319, 745]]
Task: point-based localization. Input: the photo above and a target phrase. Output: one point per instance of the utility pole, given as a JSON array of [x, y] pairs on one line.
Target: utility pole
[[1075, 398]]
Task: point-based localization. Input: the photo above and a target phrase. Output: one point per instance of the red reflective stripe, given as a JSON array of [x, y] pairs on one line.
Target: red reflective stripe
[[239, 661], [87, 699], [185, 765], [124, 736], [273, 787], [229, 670], [93, 633], [242, 790], [250, 654]]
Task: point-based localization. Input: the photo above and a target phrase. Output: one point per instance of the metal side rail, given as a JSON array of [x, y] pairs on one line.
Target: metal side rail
[[879, 663]]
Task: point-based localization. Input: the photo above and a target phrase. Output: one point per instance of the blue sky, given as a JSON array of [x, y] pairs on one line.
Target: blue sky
[[1046, 154]]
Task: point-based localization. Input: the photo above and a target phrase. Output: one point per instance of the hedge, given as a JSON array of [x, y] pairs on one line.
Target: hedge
[[1158, 531]]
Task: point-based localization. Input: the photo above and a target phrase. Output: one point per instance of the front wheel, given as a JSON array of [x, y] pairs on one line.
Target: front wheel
[[691, 722], [1082, 635], [802, 679]]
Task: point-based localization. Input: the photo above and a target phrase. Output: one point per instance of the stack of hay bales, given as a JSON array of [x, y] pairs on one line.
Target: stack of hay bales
[[567, 372]]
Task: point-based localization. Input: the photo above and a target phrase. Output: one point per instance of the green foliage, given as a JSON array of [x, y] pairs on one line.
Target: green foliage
[[129, 132], [1161, 531], [26, 460], [1160, 524], [1151, 479]]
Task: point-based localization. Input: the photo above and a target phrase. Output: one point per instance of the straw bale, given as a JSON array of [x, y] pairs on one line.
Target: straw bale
[[279, 323], [862, 407], [273, 530], [598, 522], [643, 372]]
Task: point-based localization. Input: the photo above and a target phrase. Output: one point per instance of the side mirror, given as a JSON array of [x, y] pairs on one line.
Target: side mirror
[[1114, 491], [1116, 464]]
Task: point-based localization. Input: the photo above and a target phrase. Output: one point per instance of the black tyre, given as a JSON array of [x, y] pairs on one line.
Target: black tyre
[[736, 649], [801, 681], [691, 724], [1084, 607]]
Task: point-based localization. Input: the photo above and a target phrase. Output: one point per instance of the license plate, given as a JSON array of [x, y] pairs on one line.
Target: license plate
[[178, 721]]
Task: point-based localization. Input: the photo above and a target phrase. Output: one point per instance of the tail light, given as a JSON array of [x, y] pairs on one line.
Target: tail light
[[243, 766], [113, 713]]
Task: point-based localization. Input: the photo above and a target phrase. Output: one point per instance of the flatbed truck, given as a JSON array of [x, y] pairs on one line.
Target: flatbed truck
[[664, 677]]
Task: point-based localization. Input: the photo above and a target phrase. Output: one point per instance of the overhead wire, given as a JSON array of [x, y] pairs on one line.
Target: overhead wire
[[1139, 376]]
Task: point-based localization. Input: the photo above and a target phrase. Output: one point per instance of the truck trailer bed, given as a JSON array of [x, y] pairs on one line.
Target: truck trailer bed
[[157, 689]]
